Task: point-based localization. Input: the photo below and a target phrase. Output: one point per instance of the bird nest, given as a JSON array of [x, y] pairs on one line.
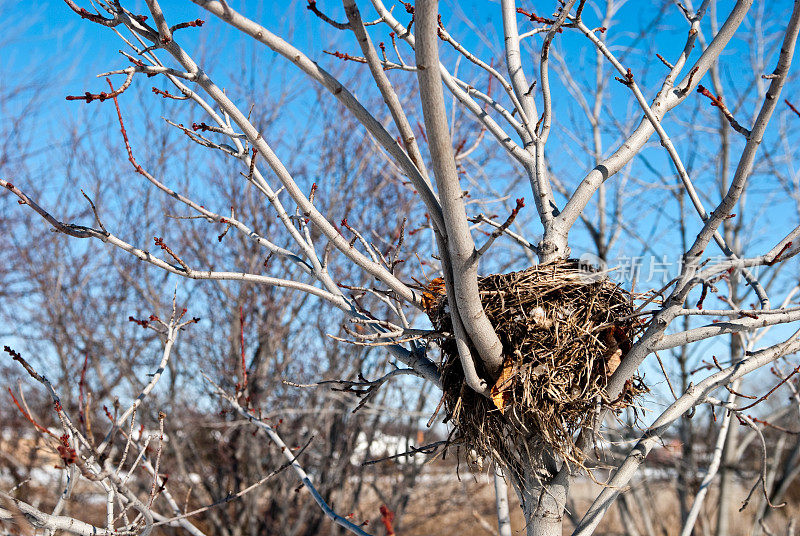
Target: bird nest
[[564, 331]]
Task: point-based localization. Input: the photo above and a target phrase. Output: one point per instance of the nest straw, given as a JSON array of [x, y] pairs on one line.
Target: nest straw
[[564, 331]]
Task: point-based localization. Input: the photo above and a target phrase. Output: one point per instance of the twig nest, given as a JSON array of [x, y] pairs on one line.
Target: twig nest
[[564, 331]]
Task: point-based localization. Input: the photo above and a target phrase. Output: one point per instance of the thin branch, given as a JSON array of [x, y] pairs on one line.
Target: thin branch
[[287, 453], [695, 395]]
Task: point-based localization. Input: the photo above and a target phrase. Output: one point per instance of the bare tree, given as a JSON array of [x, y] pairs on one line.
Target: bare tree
[[259, 336], [355, 262]]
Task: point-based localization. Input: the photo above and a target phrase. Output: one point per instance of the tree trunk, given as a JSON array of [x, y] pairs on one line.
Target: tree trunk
[[729, 458], [501, 503], [543, 495], [727, 475], [727, 480]]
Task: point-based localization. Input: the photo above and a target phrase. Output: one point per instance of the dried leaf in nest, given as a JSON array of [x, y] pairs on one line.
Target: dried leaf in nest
[[564, 332], [432, 294], [501, 390], [614, 353], [614, 360]]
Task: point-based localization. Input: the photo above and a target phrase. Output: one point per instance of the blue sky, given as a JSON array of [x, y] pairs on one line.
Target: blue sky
[[46, 45], [46, 40], [49, 46]]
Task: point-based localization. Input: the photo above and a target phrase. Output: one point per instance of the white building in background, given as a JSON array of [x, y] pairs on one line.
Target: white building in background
[[383, 445]]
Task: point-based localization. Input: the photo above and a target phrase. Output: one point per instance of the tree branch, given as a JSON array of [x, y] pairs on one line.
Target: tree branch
[[459, 241]]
